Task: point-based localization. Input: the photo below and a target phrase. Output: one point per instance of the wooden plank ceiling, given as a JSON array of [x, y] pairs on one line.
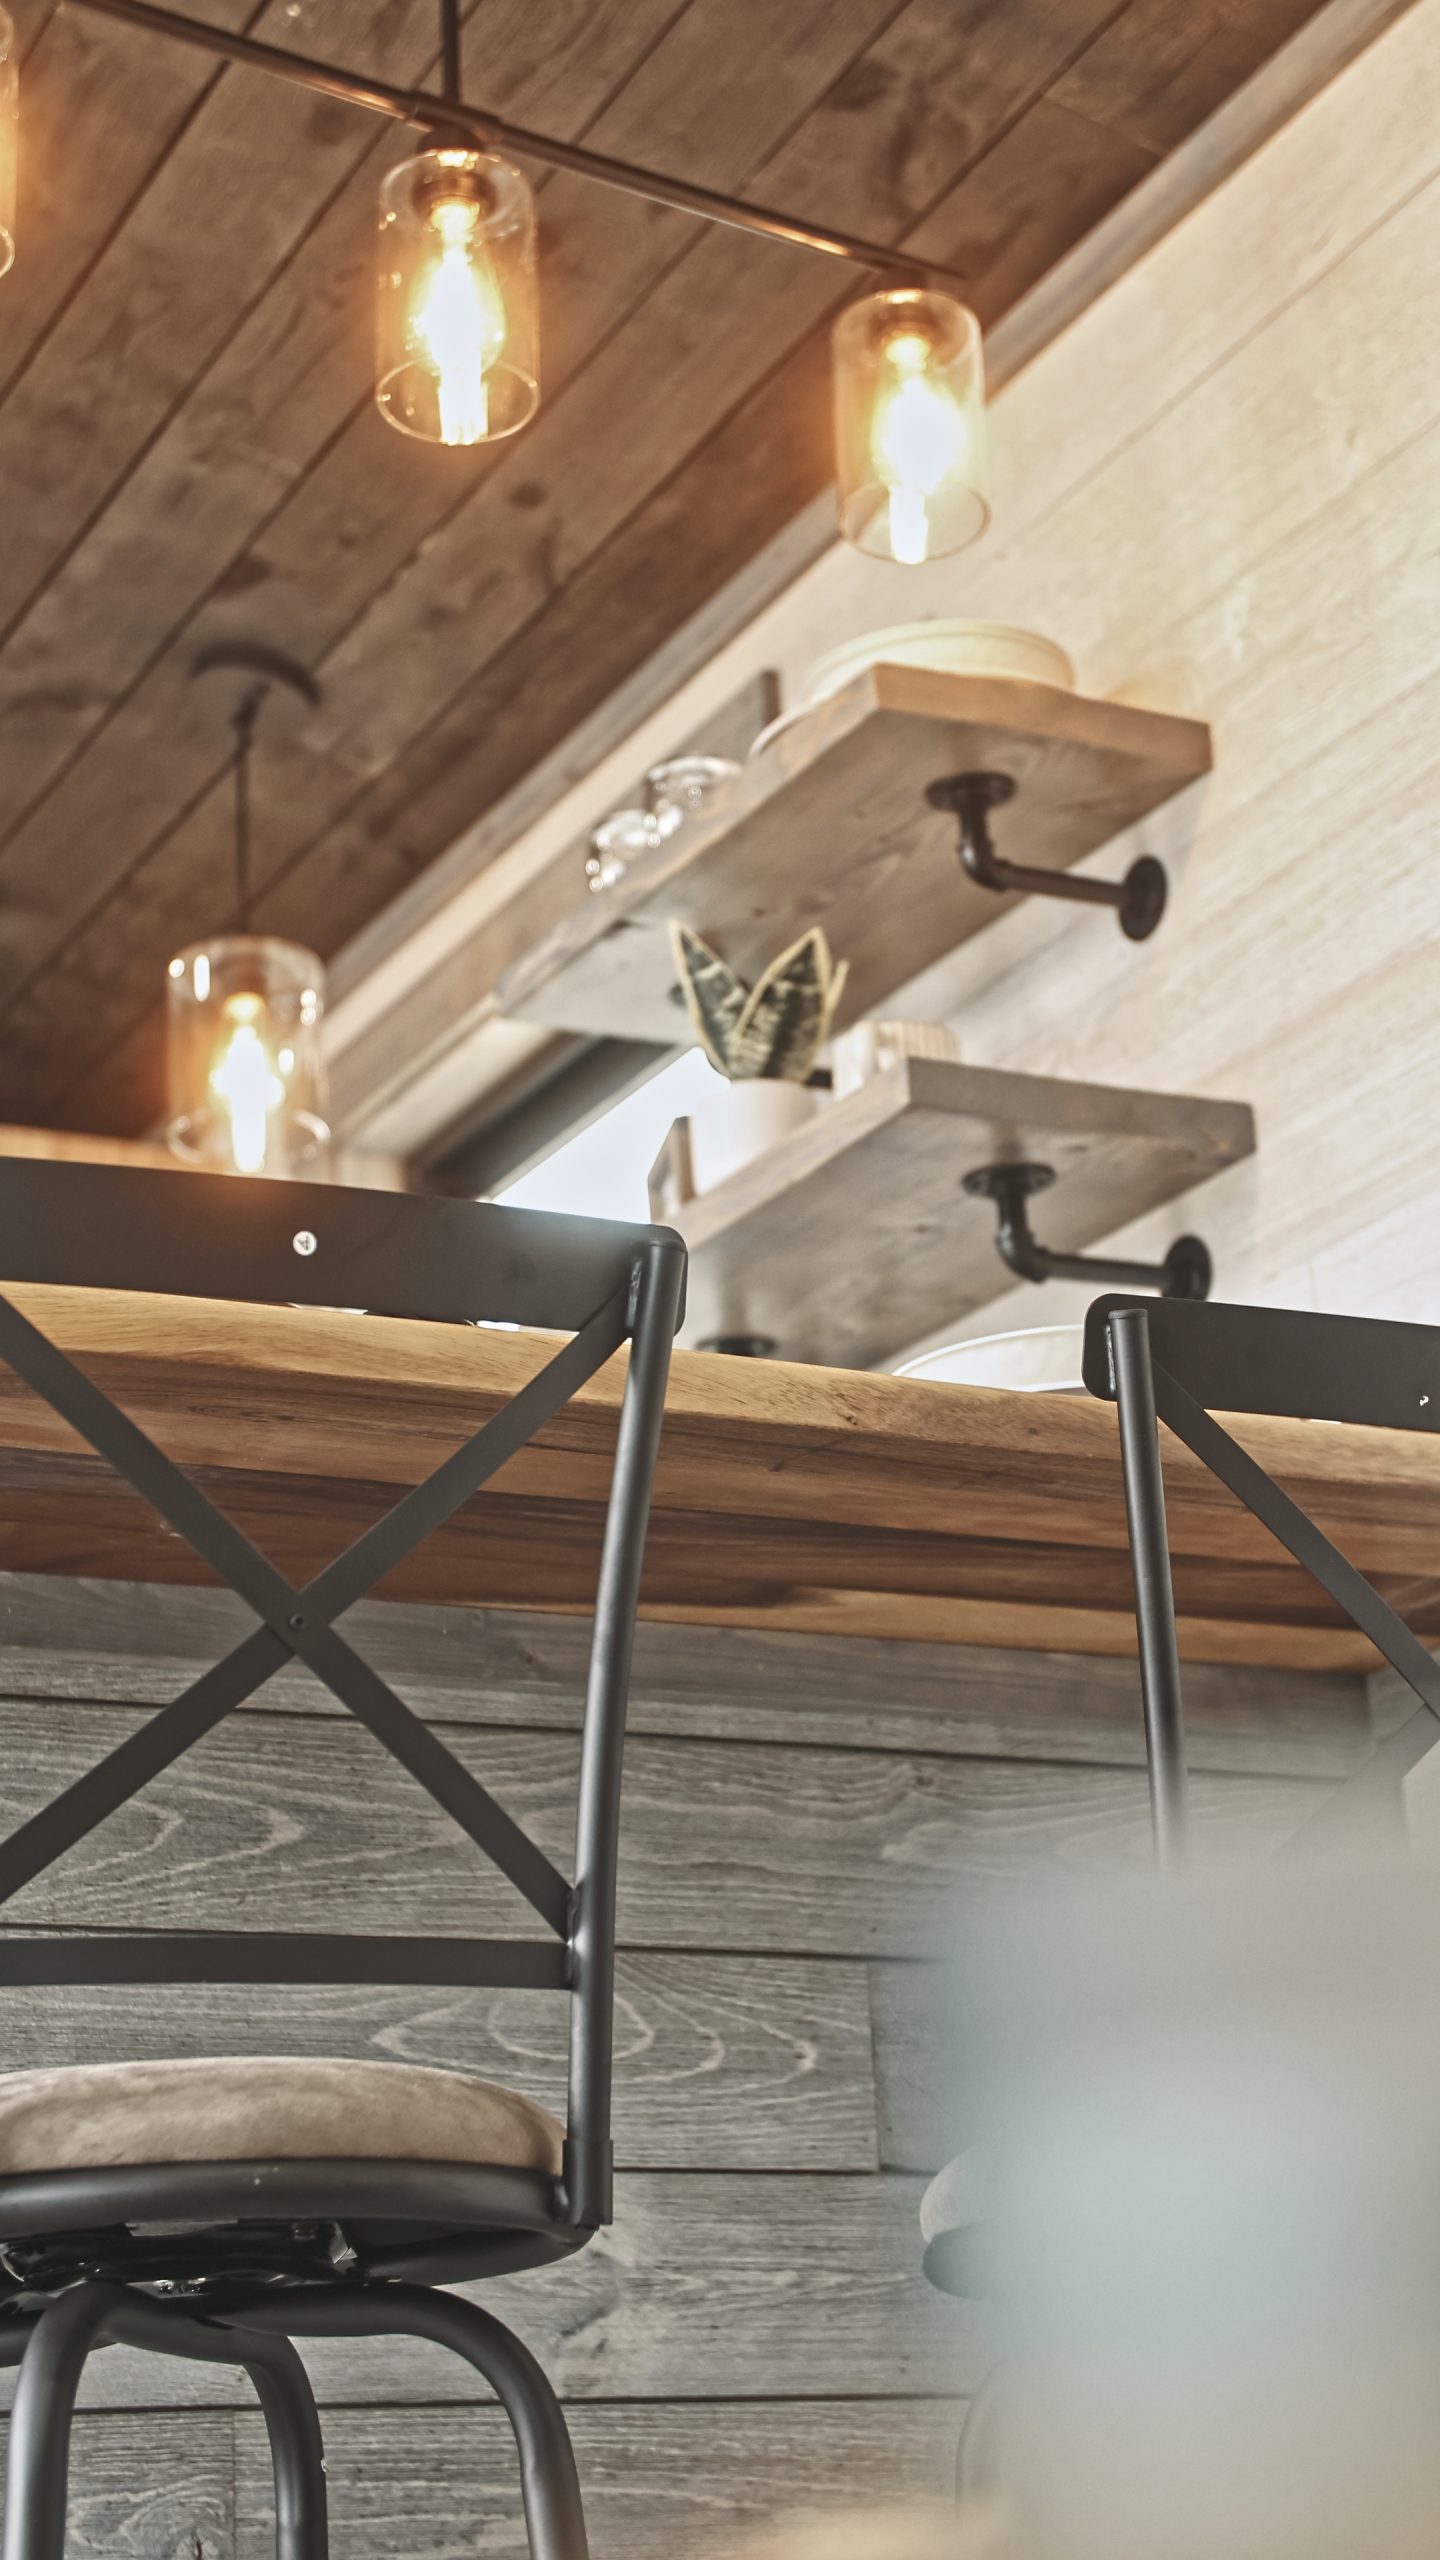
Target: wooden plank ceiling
[[189, 450]]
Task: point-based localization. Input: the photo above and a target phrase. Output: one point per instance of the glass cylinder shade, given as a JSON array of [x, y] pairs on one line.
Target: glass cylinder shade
[[247, 1073], [9, 139], [910, 425], [458, 358]]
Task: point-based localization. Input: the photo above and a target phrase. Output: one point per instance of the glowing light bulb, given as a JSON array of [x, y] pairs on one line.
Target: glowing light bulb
[[918, 439], [246, 1084], [457, 320], [456, 358]]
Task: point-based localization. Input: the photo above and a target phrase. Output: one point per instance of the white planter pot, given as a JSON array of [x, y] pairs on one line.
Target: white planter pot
[[737, 1122]]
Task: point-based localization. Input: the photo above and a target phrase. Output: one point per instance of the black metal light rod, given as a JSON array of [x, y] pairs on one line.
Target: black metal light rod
[[1139, 899], [435, 113]]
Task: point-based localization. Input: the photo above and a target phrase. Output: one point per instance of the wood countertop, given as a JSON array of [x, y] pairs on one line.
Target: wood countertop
[[825, 1501]]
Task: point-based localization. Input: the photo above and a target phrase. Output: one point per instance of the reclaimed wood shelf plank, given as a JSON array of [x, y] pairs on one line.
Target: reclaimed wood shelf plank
[[829, 825], [855, 1235]]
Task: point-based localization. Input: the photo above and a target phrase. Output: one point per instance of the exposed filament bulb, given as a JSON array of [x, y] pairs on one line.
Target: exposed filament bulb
[[918, 438], [457, 319], [246, 1083]]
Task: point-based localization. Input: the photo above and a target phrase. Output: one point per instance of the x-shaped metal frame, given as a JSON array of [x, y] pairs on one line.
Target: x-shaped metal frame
[[297, 1623], [1146, 1392]]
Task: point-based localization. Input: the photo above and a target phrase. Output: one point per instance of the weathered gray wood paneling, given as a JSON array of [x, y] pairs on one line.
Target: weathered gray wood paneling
[[119, 1641], [659, 2483], [803, 1821], [428, 2484], [735, 1845], [703, 2287], [721, 2062], [146, 2486], [920, 2114]]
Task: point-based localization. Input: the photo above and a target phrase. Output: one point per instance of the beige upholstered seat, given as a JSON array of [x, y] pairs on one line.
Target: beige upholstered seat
[[118, 2114]]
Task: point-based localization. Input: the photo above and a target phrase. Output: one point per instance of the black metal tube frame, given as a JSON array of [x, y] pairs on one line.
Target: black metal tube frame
[[1166, 1361], [554, 2517], [1154, 1592], [52, 2350], [1186, 1271], [1139, 899], [445, 114], [254, 2328], [90, 1226]]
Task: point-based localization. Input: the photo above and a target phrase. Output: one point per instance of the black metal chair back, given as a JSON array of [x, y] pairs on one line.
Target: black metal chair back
[[599, 1283], [1174, 1361]]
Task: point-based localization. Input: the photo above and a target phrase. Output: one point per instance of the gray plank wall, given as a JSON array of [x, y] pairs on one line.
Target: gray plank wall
[[805, 1818]]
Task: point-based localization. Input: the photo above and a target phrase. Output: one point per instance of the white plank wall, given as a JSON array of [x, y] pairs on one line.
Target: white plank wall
[[806, 1822], [1219, 489], [1236, 458]]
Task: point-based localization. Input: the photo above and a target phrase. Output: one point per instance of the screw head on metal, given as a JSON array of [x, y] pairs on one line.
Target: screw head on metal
[[304, 1242]]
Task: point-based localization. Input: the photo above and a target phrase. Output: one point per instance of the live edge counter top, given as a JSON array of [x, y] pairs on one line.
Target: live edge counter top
[[804, 1499]]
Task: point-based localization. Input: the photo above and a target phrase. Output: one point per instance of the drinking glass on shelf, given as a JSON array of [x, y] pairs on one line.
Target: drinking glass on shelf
[[617, 840], [684, 786], [674, 791]]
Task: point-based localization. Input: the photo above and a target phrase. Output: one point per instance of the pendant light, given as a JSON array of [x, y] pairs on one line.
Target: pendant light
[[246, 1066], [909, 377], [9, 138], [456, 301], [456, 298]]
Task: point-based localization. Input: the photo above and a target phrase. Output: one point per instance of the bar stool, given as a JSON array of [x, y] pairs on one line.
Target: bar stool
[[1178, 1361], [219, 2209]]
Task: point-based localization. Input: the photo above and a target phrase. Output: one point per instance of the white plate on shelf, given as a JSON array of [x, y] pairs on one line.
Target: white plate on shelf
[[952, 648], [1041, 1360], [956, 648]]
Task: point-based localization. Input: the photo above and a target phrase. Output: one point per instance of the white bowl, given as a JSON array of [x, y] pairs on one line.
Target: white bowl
[[1044, 1359], [954, 648]]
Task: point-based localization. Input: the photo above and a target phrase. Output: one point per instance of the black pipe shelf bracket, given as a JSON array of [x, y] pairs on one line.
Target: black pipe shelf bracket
[[970, 797], [1186, 1271]]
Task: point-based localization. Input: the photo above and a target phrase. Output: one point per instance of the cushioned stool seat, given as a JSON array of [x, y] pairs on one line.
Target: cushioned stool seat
[[119, 2114]]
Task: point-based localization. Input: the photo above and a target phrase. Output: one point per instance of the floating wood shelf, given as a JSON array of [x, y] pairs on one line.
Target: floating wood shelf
[[829, 825], [854, 1236]]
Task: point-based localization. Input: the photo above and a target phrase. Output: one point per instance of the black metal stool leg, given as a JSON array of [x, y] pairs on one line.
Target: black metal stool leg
[[37, 2468], [297, 2451], [549, 2483], [92, 2315], [1154, 1589]]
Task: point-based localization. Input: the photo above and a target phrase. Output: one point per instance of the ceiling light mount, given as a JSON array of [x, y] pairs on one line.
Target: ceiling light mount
[[1139, 898], [228, 674], [1186, 1271]]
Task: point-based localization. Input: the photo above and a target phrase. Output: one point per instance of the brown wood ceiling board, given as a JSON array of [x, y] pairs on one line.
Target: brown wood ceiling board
[[830, 826], [349, 527], [410, 577], [746, 270], [1161, 69], [293, 372], [855, 1236], [819, 1500]]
